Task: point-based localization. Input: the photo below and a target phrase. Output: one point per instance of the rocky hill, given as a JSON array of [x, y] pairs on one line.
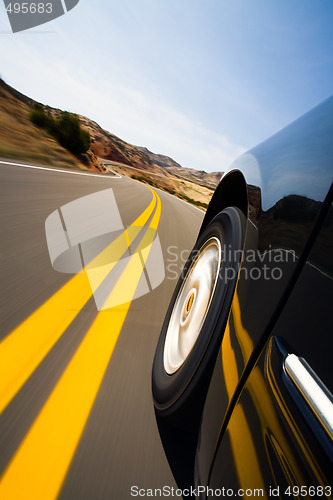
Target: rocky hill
[[160, 160], [110, 147], [173, 168], [20, 139]]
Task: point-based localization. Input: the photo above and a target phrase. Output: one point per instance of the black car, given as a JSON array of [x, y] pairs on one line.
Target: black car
[[242, 377]]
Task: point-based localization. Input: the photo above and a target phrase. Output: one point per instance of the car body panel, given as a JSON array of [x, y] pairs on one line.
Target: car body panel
[[288, 178], [273, 438]]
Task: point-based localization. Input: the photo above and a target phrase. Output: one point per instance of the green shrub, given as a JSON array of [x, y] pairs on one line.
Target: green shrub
[[40, 118], [66, 129], [70, 135]]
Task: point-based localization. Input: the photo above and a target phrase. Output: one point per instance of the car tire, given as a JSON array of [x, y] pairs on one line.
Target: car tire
[[196, 318]]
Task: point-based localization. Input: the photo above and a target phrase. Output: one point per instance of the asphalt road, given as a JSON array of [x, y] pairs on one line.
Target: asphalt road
[[117, 445]]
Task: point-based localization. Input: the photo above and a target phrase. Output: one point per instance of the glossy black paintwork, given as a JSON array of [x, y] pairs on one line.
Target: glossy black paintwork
[[288, 178], [284, 442]]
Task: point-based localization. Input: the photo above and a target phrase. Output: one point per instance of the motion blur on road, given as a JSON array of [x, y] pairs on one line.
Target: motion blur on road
[[76, 412]]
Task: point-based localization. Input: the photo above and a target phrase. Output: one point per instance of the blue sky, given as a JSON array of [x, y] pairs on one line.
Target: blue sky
[[199, 80]]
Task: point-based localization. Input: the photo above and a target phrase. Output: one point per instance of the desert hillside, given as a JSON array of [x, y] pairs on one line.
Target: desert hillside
[[22, 140], [190, 174]]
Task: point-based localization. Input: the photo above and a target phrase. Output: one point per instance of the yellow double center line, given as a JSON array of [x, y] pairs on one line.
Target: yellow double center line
[[39, 467], [243, 446], [23, 350]]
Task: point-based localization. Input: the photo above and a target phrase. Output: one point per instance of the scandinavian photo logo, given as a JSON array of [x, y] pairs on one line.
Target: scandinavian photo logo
[[121, 263], [24, 15]]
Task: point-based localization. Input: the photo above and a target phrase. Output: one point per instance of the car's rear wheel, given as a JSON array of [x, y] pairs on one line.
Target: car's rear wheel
[[195, 321]]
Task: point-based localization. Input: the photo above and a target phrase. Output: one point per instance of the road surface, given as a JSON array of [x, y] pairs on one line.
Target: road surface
[[76, 412]]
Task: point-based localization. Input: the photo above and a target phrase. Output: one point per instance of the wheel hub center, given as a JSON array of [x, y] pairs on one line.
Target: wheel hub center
[[188, 306], [190, 303]]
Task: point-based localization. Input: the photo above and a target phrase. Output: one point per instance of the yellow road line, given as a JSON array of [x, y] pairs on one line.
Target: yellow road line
[[246, 462], [24, 348], [39, 467], [244, 451], [229, 365], [241, 440]]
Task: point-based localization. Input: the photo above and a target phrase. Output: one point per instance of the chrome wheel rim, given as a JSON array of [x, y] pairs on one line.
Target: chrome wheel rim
[[192, 305]]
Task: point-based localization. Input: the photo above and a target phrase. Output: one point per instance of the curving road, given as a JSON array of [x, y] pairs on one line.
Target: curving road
[[76, 413]]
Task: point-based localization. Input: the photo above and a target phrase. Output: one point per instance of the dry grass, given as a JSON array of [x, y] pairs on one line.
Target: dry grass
[[21, 140], [186, 190]]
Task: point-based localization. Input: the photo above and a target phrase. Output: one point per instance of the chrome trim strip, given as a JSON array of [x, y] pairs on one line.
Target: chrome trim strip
[[312, 389]]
